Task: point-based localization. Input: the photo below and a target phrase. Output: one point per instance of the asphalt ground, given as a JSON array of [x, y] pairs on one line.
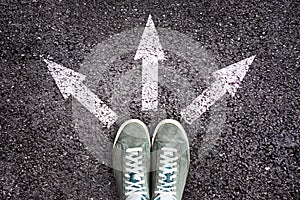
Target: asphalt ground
[[257, 153]]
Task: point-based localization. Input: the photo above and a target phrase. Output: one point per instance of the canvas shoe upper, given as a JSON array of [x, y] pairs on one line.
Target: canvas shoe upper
[[131, 160], [170, 161]]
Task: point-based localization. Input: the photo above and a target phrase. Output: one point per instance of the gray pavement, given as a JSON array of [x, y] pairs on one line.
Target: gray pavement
[[255, 156]]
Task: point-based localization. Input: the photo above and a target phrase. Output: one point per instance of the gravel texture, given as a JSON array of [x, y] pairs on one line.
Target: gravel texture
[[257, 153]]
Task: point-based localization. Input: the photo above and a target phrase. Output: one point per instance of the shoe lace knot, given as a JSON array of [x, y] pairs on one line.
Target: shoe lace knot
[[166, 189], [135, 175]]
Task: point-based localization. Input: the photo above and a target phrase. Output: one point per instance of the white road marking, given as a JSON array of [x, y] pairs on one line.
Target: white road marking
[[150, 51], [69, 83], [227, 80]]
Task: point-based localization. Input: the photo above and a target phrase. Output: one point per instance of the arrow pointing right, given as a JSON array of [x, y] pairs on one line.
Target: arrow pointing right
[[227, 80], [69, 83]]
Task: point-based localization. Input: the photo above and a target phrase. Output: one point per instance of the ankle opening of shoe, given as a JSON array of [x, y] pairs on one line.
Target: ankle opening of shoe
[[166, 188], [134, 175]]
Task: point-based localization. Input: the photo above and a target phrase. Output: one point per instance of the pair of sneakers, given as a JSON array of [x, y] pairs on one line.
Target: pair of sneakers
[[140, 164]]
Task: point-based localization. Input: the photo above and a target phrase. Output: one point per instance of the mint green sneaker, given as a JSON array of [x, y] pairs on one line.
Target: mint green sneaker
[[131, 160], [170, 160]]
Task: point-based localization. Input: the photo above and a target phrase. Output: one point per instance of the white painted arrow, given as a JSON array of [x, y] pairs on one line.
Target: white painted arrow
[[227, 79], [69, 83], [150, 51]]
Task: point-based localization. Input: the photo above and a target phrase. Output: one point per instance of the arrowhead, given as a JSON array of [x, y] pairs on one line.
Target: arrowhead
[[149, 44], [66, 79], [232, 75]]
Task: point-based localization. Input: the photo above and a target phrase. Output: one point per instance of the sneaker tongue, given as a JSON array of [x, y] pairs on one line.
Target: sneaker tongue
[[166, 197], [136, 197]]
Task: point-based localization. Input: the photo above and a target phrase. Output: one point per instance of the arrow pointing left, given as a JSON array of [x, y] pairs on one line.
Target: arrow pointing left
[[69, 83]]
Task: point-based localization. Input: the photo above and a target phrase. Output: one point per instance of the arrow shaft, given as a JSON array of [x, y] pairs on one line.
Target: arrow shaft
[[95, 105], [150, 84], [202, 103]]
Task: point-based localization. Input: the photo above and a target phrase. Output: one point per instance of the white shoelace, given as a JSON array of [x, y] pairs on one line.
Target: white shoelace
[[167, 176], [134, 175]]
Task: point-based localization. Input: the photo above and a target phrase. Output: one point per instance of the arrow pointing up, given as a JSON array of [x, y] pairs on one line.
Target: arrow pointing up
[[150, 51], [228, 80], [69, 83], [149, 45]]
